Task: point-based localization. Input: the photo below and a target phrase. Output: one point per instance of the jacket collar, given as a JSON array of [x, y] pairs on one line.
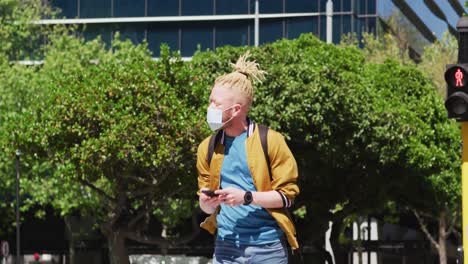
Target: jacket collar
[[250, 129]]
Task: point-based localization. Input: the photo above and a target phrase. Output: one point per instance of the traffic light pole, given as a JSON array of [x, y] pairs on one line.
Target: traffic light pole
[[465, 190], [18, 225], [462, 27]]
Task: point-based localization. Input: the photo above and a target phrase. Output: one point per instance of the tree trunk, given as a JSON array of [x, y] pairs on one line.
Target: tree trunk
[[71, 245], [444, 232], [338, 250], [71, 249], [117, 251], [442, 239]]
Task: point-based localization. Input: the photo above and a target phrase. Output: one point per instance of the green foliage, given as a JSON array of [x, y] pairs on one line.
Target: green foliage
[[300, 212], [435, 58], [379, 49], [15, 98], [20, 37], [413, 131], [431, 143], [396, 38], [114, 134], [174, 209]]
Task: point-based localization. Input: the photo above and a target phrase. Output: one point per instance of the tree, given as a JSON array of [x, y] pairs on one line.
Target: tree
[[448, 216], [431, 183], [435, 58], [114, 137], [396, 39], [410, 41], [432, 63], [20, 38], [379, 49]]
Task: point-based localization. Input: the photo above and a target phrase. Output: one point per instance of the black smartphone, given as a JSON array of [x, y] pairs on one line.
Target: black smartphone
[[210, 193]]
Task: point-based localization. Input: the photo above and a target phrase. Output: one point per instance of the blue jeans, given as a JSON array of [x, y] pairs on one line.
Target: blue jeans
[[228, 253]]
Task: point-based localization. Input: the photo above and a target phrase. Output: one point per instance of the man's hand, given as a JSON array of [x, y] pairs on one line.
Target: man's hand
[[208, 204], [231, 196]]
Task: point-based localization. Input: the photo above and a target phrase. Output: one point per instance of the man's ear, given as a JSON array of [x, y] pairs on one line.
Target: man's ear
[[237, 108]]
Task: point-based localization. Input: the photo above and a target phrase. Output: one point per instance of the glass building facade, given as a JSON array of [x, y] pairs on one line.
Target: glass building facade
[[186, 25]]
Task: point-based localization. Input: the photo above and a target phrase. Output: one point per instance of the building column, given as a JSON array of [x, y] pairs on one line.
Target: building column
[[329, 14], [257, 24]]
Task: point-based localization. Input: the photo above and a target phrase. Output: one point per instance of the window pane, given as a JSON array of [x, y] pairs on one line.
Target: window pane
[[69, 7], [358, 29], [225, 7], [347, 5], [300, 6], [92, 31], [367, 25], [322, 5], [194, 35], [234, 33], [270, 6], [323, 28], [132, 31], [163, 7], [159, 33], [129, 8], [361, 6], [372, 25], [371, 6], [252, 34], [336, 6], [198, 7], [336, 29], [315, 6], [271, 30], [95, 8], [297, 26], [346, 24]]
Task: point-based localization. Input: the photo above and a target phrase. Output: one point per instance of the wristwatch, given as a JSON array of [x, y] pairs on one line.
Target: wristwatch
[[248, 197]]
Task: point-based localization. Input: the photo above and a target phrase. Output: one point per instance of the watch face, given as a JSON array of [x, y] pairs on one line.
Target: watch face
[[248, 198]]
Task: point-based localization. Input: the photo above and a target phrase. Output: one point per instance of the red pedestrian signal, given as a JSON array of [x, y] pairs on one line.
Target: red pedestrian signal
[[456, 102], [458, 78]]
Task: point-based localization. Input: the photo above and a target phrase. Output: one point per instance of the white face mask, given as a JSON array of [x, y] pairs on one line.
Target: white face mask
[[214, 118]]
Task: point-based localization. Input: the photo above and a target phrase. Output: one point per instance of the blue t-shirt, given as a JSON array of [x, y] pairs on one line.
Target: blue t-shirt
[[243, 225]]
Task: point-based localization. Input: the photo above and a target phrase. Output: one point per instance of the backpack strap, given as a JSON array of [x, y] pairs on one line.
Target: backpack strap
[[214, 140], [263, 131]]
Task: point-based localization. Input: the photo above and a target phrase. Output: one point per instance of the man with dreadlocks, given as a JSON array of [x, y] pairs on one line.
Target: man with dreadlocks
[[252, 190]]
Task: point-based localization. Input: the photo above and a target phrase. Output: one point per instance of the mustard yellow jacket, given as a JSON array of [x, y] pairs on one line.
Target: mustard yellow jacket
[[283, 170]]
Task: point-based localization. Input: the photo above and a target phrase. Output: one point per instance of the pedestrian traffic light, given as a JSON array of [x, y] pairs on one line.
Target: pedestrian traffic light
[[456, 103]]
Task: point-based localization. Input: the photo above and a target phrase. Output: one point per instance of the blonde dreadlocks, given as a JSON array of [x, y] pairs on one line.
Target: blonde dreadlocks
[[245, 72]]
